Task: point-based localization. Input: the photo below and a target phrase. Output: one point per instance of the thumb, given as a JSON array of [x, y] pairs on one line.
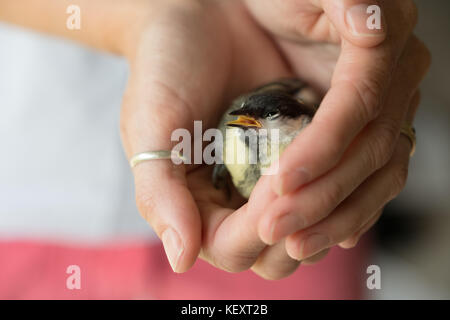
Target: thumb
[[361, 22], [162, 196], [167, 205]]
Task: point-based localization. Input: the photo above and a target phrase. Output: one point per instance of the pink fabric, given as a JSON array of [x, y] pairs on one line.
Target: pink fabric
[[33, 270]]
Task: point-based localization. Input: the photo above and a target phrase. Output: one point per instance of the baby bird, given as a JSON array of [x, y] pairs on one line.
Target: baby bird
[[285, 106]]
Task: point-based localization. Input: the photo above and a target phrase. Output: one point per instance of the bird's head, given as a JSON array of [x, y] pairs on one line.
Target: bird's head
[[271, 110]]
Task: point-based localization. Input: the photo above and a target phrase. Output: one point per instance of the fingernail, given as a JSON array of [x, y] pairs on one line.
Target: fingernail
[[173, 247], [285, 225], [365, 20], [314, 244], [290, 181]]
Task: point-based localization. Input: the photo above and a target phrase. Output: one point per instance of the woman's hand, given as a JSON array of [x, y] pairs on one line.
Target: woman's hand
[[190, 58], [193, 57], [335, 178]]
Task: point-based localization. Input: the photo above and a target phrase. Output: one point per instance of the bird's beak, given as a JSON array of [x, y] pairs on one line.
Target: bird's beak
[[245, 121]]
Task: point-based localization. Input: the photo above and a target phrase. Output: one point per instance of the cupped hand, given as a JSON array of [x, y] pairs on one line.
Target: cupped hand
[[194, 57], [336, 177]]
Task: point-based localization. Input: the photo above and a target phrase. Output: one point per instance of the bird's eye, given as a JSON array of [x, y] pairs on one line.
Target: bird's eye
[[272, 115]]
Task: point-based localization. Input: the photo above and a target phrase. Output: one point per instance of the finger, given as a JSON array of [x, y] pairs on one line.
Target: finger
[[162, 96], [354, 239], [370, 151], [415, 102], [316, 258], [162, 196], [274, 263], [356, 210], [360, 83], [320, 20], [230, 239], [314, 202], [231, 242], [360, 22]]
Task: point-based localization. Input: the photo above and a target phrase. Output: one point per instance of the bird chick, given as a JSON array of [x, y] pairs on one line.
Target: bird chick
[[284, 108]]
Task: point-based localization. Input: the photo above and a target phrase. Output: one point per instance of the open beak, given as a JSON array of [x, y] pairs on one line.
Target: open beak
[[245, 121]]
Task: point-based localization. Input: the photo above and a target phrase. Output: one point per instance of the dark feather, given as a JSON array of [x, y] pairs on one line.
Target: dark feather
[[260, 105]]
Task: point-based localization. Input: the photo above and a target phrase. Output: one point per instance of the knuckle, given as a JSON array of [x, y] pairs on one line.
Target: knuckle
[[232, 262], [373, 158], [345, 228], [399, 178], [368, 91], [232, 266], [333, 196], [275, 264], [354, 223], [382, 144]]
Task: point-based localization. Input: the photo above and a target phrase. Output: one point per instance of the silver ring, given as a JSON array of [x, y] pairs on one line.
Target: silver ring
[[155, 155]]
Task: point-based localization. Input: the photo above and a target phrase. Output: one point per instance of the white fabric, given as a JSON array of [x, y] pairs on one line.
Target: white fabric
[[63, 173]]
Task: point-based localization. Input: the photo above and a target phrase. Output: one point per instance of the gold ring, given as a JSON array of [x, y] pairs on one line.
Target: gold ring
[[154, 155], [410, 133]]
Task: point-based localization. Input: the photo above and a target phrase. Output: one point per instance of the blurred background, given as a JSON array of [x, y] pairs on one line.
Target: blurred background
[[49, 86], [413, 235]]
